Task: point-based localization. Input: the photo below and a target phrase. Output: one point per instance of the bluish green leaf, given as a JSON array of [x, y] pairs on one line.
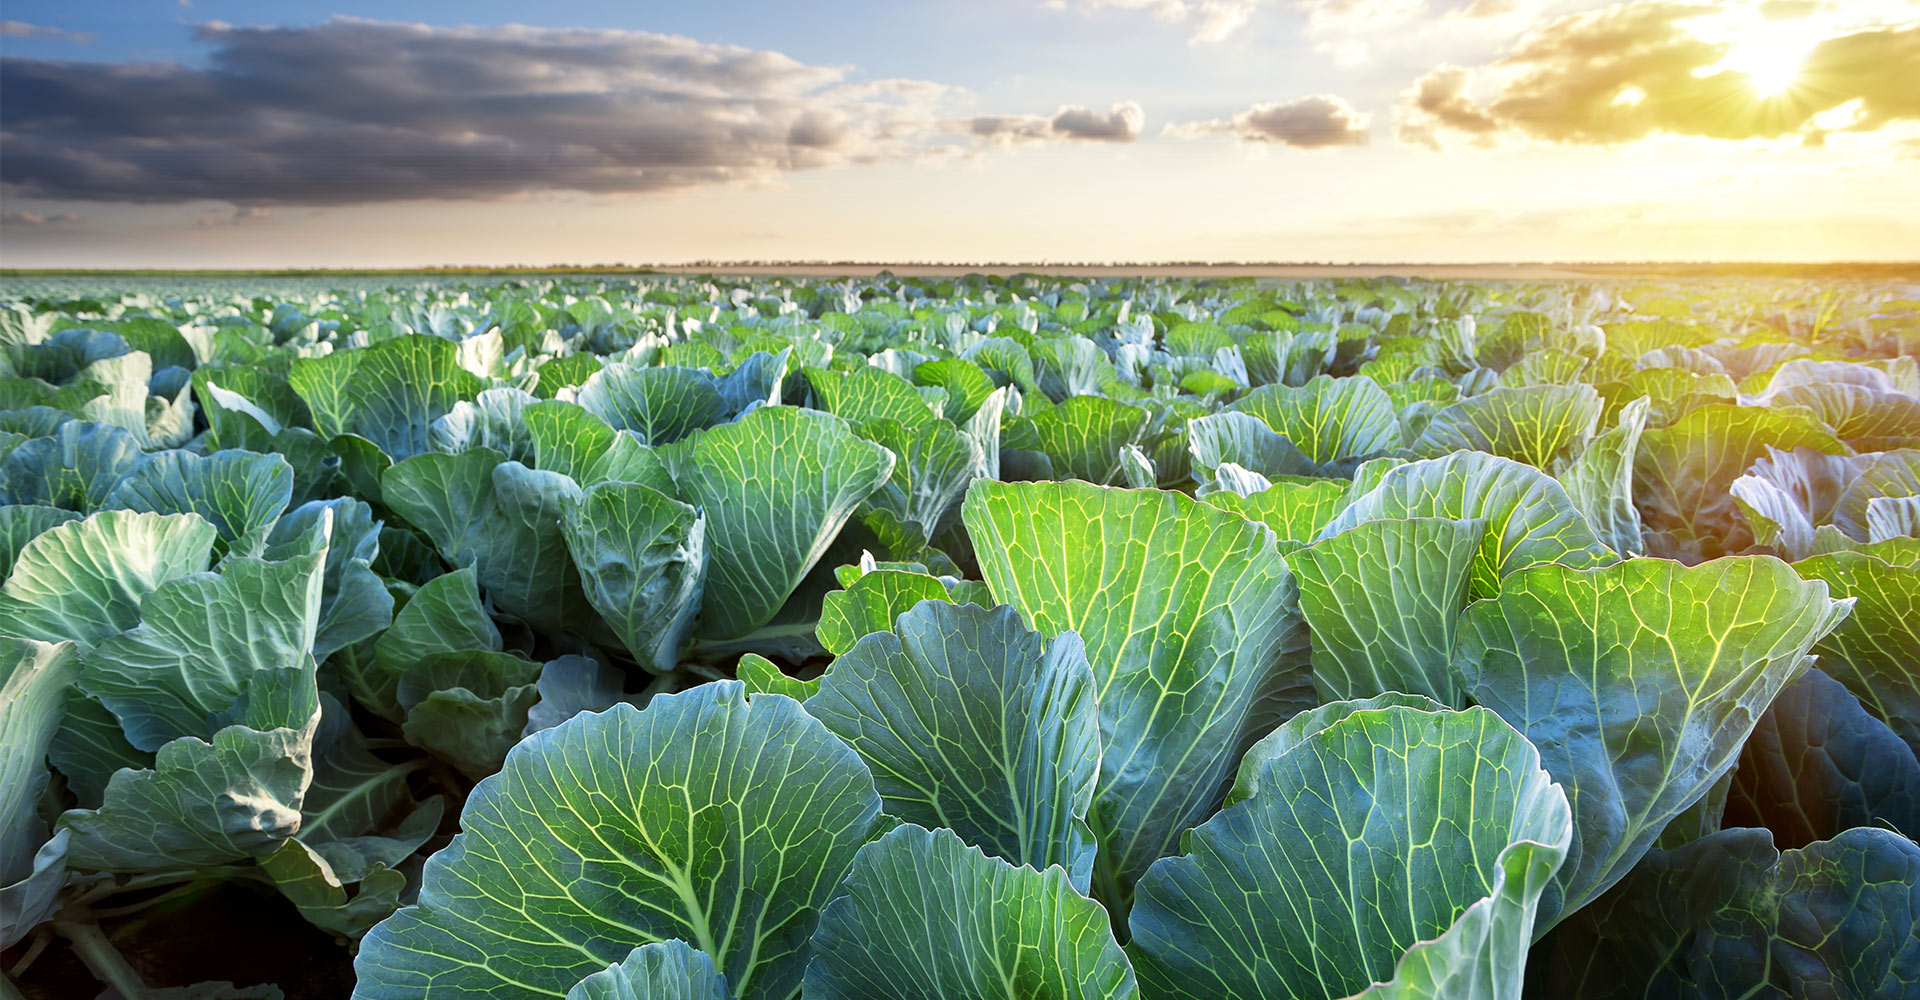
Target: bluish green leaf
[[661, 405], [84, 580], [663, 970], [642, 557], [240, 493], [1875, 650], [76, 468], [389, 392], [1639, 683], [870, 603], [708, 817], [1533, 424], [969, 722], [1818, 764], [1330, 420], [1191, 623], [922, 914], [1530, 519], [205, 642], [1684, 473], [22, 523], [1394, 846], [34, 680], [1383, 599], [776, 487], [1729, 916]]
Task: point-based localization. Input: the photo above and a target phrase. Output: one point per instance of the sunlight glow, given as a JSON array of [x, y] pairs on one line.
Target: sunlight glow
[[1768, 53]]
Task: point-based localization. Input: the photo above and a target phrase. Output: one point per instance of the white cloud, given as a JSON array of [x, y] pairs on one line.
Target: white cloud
[[21, 29]]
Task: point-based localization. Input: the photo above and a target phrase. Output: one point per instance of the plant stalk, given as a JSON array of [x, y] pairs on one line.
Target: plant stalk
[[101, 958]]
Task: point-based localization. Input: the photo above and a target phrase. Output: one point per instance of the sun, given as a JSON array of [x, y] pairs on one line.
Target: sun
[[1768, 53], [1771, 58]]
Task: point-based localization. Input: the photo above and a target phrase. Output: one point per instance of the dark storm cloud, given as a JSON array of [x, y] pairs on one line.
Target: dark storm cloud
[[1315, 122], [1121, 124], [359, 111], [1633, 70]]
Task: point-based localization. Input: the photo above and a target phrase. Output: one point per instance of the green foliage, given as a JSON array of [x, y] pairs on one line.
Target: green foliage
[[776, 637]]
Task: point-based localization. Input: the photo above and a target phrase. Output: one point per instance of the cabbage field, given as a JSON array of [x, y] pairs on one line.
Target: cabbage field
[[974, 638]]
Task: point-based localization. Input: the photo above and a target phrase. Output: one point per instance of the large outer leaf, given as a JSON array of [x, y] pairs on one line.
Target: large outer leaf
[[444, 616], [1191, 623], [1531, 424], [1599, 481], [1382, 599], [1894, 474], [75, 468], [1728, 916], [1876, 651], [1295, 511], [1639, 683], [34, 678], [22, 523], [708, 817], [354, 602], [870, 603], [1082, 436], [870, 393], [1530, 519], [1329, 419], [1818, 764], [1867, 418], [663, 970], [240, 493], [204, 642], [923, 915], [390, 392], [84, 580], [662, 405], [1683, 473], [776, 487], [642, 557], [1241, 439], [206, 803], [968, 723], [566, 438], [504, 520], [1394, 846]]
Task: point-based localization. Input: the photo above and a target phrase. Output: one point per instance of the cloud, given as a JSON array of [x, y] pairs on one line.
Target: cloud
[[37, 219], [1315, 122], [1122, 124], [354, 111], [1632, 70], [21, 29], [1438, 101], [1212, 20]]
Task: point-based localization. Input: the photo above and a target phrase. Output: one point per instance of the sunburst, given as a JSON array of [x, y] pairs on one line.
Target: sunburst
[[1768, 53]]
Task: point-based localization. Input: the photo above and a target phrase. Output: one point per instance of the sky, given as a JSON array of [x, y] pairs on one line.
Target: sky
[[195, 134]]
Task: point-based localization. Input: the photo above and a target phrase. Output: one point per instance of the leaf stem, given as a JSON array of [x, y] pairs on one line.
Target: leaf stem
[[101, 958]]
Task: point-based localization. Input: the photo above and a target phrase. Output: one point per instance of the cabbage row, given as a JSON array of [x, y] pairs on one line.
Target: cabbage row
[[975, 638]]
